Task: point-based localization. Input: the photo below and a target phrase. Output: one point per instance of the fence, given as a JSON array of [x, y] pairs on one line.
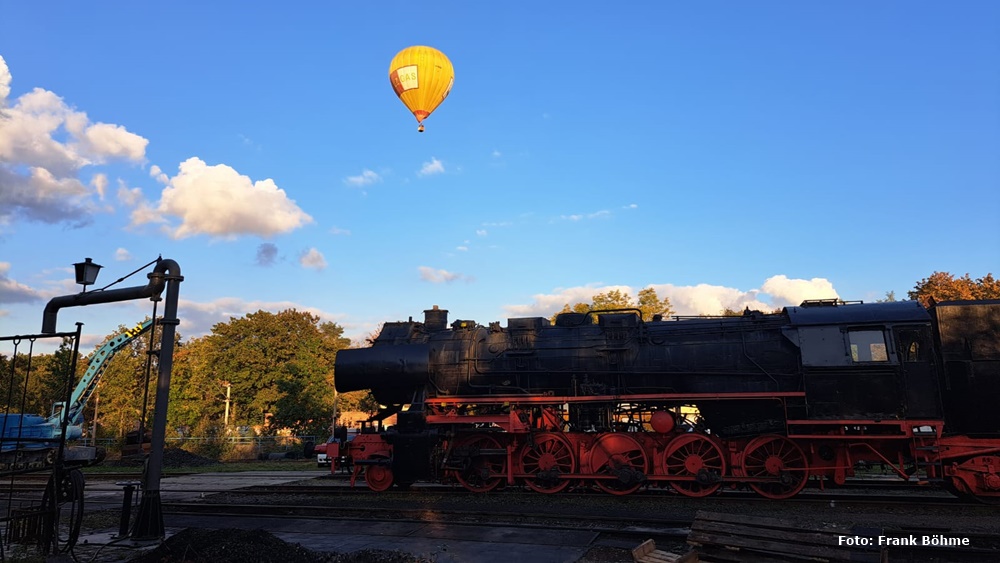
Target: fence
[[260, 446]]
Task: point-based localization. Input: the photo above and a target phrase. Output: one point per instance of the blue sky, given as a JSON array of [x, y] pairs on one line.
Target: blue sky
[[725, 153]]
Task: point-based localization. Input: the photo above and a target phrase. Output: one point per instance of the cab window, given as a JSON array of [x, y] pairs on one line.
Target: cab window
[[868, 346]]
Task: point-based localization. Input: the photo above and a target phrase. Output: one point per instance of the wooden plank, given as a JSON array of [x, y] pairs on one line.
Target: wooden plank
[[777, 536], [644, 548], [767, 522], [720, 556], [812, 538], [782, 547], [722, 534]]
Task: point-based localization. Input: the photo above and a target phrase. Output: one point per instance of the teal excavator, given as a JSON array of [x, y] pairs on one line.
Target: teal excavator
[[31, 441]]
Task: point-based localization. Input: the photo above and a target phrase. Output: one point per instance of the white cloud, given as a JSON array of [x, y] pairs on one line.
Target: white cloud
[[220, 202], [481, 232], [5, 80], [630, 206], [462, 248], [705, 299], [497, 154], [702, 299], [793, 292], [142, 211], [433, 167], [313, 260], [41, 196], [199, 318], [431, 275], [44, 144], [366, 178], [100, 183], [12, 291], [123, 255], [158, 175], [339, 231], [582, 216], [104, 141]]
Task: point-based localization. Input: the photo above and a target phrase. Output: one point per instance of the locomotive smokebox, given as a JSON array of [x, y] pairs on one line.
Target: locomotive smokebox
[[392, 373], [435, 319]]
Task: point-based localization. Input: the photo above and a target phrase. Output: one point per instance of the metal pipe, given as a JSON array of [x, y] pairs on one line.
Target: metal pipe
[[154, 287], [149, 519]]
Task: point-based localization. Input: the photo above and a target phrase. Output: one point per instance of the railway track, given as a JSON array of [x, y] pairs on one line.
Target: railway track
[[670, 533], [871, 497]]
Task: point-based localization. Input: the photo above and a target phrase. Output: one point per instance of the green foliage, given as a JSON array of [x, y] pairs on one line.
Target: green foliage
[[32, 383], [279, 368], [118, 402], [361, 401], [649, 304], [890, 297]]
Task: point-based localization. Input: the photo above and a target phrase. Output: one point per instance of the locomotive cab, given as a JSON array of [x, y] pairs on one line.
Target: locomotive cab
[[865, 361]]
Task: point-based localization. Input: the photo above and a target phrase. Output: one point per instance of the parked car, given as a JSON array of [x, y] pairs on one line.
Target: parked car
[[323, 459]]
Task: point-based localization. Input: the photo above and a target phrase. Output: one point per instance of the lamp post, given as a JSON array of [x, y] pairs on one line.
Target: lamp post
[[228, 387], [86, 272]]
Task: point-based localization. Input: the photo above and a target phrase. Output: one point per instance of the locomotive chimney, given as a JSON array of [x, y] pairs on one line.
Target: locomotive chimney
[[435, 319]]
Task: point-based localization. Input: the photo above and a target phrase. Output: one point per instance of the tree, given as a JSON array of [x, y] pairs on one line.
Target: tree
[[942, 286], [32, 383], [279, 367], [649, 304], [127, 388]]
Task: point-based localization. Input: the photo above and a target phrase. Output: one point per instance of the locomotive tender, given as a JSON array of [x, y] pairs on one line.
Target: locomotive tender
[[606, 399]]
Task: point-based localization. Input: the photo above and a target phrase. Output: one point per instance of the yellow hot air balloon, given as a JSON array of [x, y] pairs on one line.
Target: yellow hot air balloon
[[422, 78]]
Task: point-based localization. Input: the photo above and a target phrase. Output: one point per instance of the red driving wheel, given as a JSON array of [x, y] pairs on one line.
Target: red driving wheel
[[484, 472], [621, 456], [696, 456], [547, 458], [781, 461]]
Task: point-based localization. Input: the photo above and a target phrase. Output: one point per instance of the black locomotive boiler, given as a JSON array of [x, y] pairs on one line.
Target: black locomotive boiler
[[608, 400]]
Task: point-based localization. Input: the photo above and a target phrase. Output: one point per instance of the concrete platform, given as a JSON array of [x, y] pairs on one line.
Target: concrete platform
[[187, 488]]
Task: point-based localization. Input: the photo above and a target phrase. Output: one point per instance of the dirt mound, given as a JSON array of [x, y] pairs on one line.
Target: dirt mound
[[254, 546], [176, 457], [226, 546]]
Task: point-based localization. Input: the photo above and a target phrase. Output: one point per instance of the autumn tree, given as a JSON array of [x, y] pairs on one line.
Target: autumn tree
[[279, 368], [649, 303], [942, 286], [127, 390], [197, 398]]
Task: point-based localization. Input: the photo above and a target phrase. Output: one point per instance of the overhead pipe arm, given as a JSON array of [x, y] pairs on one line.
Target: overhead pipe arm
[[164, 269]]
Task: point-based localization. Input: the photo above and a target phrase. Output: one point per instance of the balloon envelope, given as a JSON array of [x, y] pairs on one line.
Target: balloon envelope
[[422, 78]]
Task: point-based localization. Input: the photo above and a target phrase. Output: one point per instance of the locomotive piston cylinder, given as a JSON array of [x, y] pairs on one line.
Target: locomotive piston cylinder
[[391, 372]]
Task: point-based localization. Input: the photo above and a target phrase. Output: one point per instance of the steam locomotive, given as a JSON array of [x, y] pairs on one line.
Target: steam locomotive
[[605, 399]]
